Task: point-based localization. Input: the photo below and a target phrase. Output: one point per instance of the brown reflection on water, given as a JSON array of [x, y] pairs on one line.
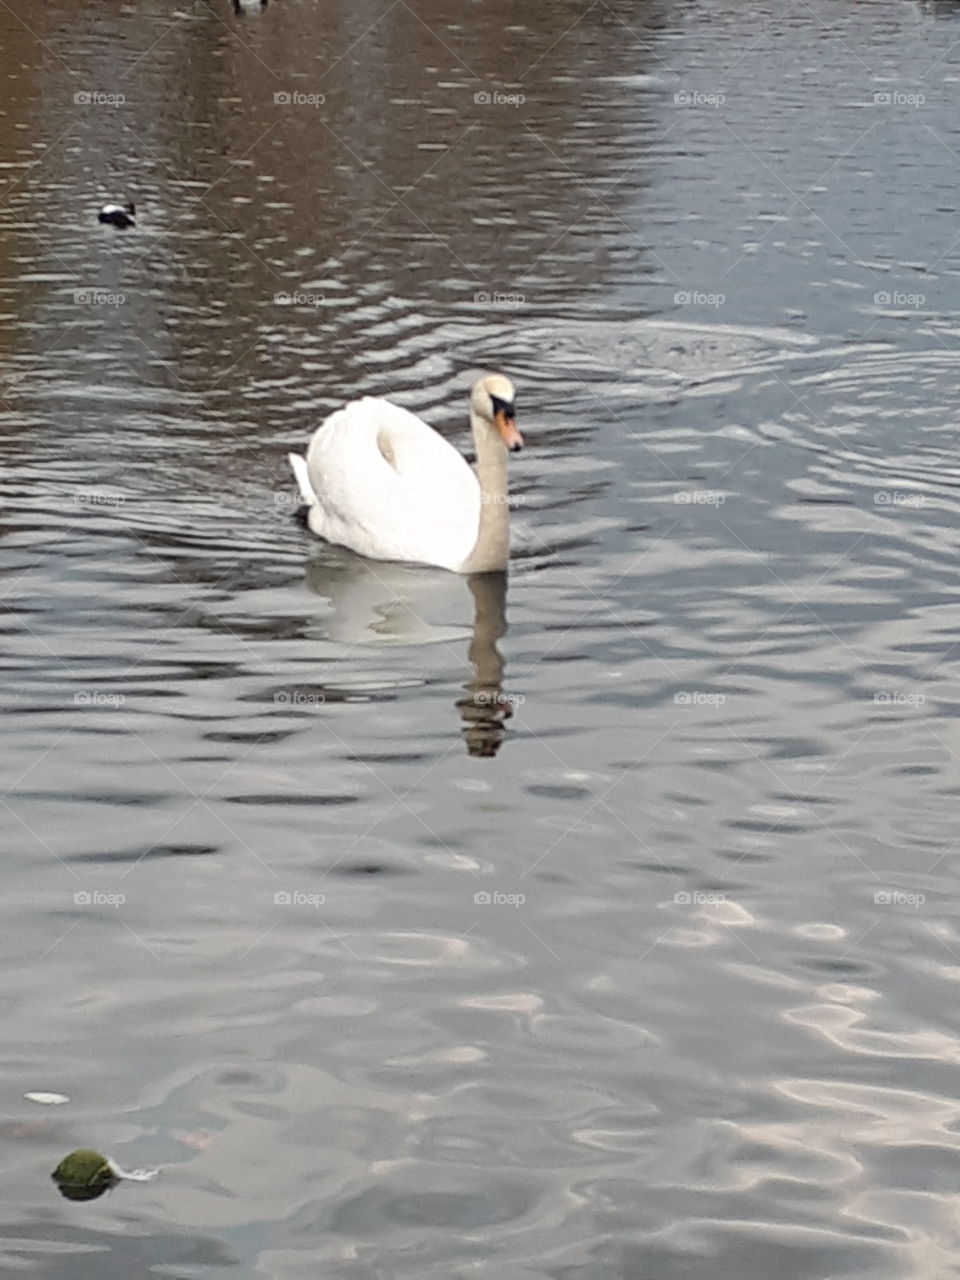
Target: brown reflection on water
[[381, 170], [486, 708]]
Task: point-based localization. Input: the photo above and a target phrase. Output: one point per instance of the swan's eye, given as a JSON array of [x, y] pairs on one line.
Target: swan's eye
[[502, 406]]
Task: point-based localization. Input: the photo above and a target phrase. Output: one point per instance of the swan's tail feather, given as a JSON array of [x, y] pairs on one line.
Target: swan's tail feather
[[302, 477]]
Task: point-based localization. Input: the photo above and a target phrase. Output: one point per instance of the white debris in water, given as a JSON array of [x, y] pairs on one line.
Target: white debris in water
[[47, 1099], [132, 1175]]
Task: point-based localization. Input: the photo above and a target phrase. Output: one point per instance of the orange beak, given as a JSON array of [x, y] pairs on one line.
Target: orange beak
[[507, 426]]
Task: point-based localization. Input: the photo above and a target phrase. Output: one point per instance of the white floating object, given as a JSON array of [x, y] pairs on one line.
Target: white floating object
[[47, 1099], [132, 1175]]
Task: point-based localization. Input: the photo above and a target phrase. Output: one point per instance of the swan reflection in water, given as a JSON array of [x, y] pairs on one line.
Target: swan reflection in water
[[486, 707], [386, 604]]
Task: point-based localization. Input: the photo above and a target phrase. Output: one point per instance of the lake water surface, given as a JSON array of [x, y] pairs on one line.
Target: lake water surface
[[598, 925]]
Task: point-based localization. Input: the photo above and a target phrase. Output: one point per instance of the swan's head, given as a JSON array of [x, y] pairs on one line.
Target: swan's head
[[492, 401]]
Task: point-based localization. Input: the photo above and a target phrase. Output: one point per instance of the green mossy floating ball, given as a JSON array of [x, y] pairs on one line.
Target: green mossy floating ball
[[83, 1175]]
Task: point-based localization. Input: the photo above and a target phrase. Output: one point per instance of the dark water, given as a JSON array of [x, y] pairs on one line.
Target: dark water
[[704, 1023]]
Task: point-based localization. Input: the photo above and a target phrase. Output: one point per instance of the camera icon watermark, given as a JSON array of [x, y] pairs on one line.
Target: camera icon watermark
[[497, 298], [295, 898], [299, 299], [694, 98], [95, 98], [696, 298], [493, 898], [897, 698], [97, 698], [698, 898], [95, 499], [294, 98], [98, 298], [698, 698], [895, 898], [699, 498], [94, 898], [497, 698], [894, 98], [503, 499], [898, 298], [496, 98], [297, 698], [896, 498]]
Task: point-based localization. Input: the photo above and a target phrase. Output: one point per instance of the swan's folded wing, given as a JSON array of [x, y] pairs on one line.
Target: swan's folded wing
[[392, 488]]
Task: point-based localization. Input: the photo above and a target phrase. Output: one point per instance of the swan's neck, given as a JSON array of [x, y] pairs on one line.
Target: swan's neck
[[492, 549]]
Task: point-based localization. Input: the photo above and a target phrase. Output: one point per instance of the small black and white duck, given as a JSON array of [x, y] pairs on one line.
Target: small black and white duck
[[119, 215]]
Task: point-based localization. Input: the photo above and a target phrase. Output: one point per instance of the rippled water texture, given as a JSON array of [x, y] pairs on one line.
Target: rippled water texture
[[600, 926]]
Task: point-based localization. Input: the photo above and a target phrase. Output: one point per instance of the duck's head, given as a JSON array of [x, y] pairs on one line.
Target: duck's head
[[493, 402], [121, 215]]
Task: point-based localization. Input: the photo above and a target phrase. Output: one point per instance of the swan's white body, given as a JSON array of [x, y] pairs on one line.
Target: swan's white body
[[380, 481], [424, 506]]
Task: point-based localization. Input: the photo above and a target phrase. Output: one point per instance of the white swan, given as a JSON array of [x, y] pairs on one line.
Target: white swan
[[380, 481]]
